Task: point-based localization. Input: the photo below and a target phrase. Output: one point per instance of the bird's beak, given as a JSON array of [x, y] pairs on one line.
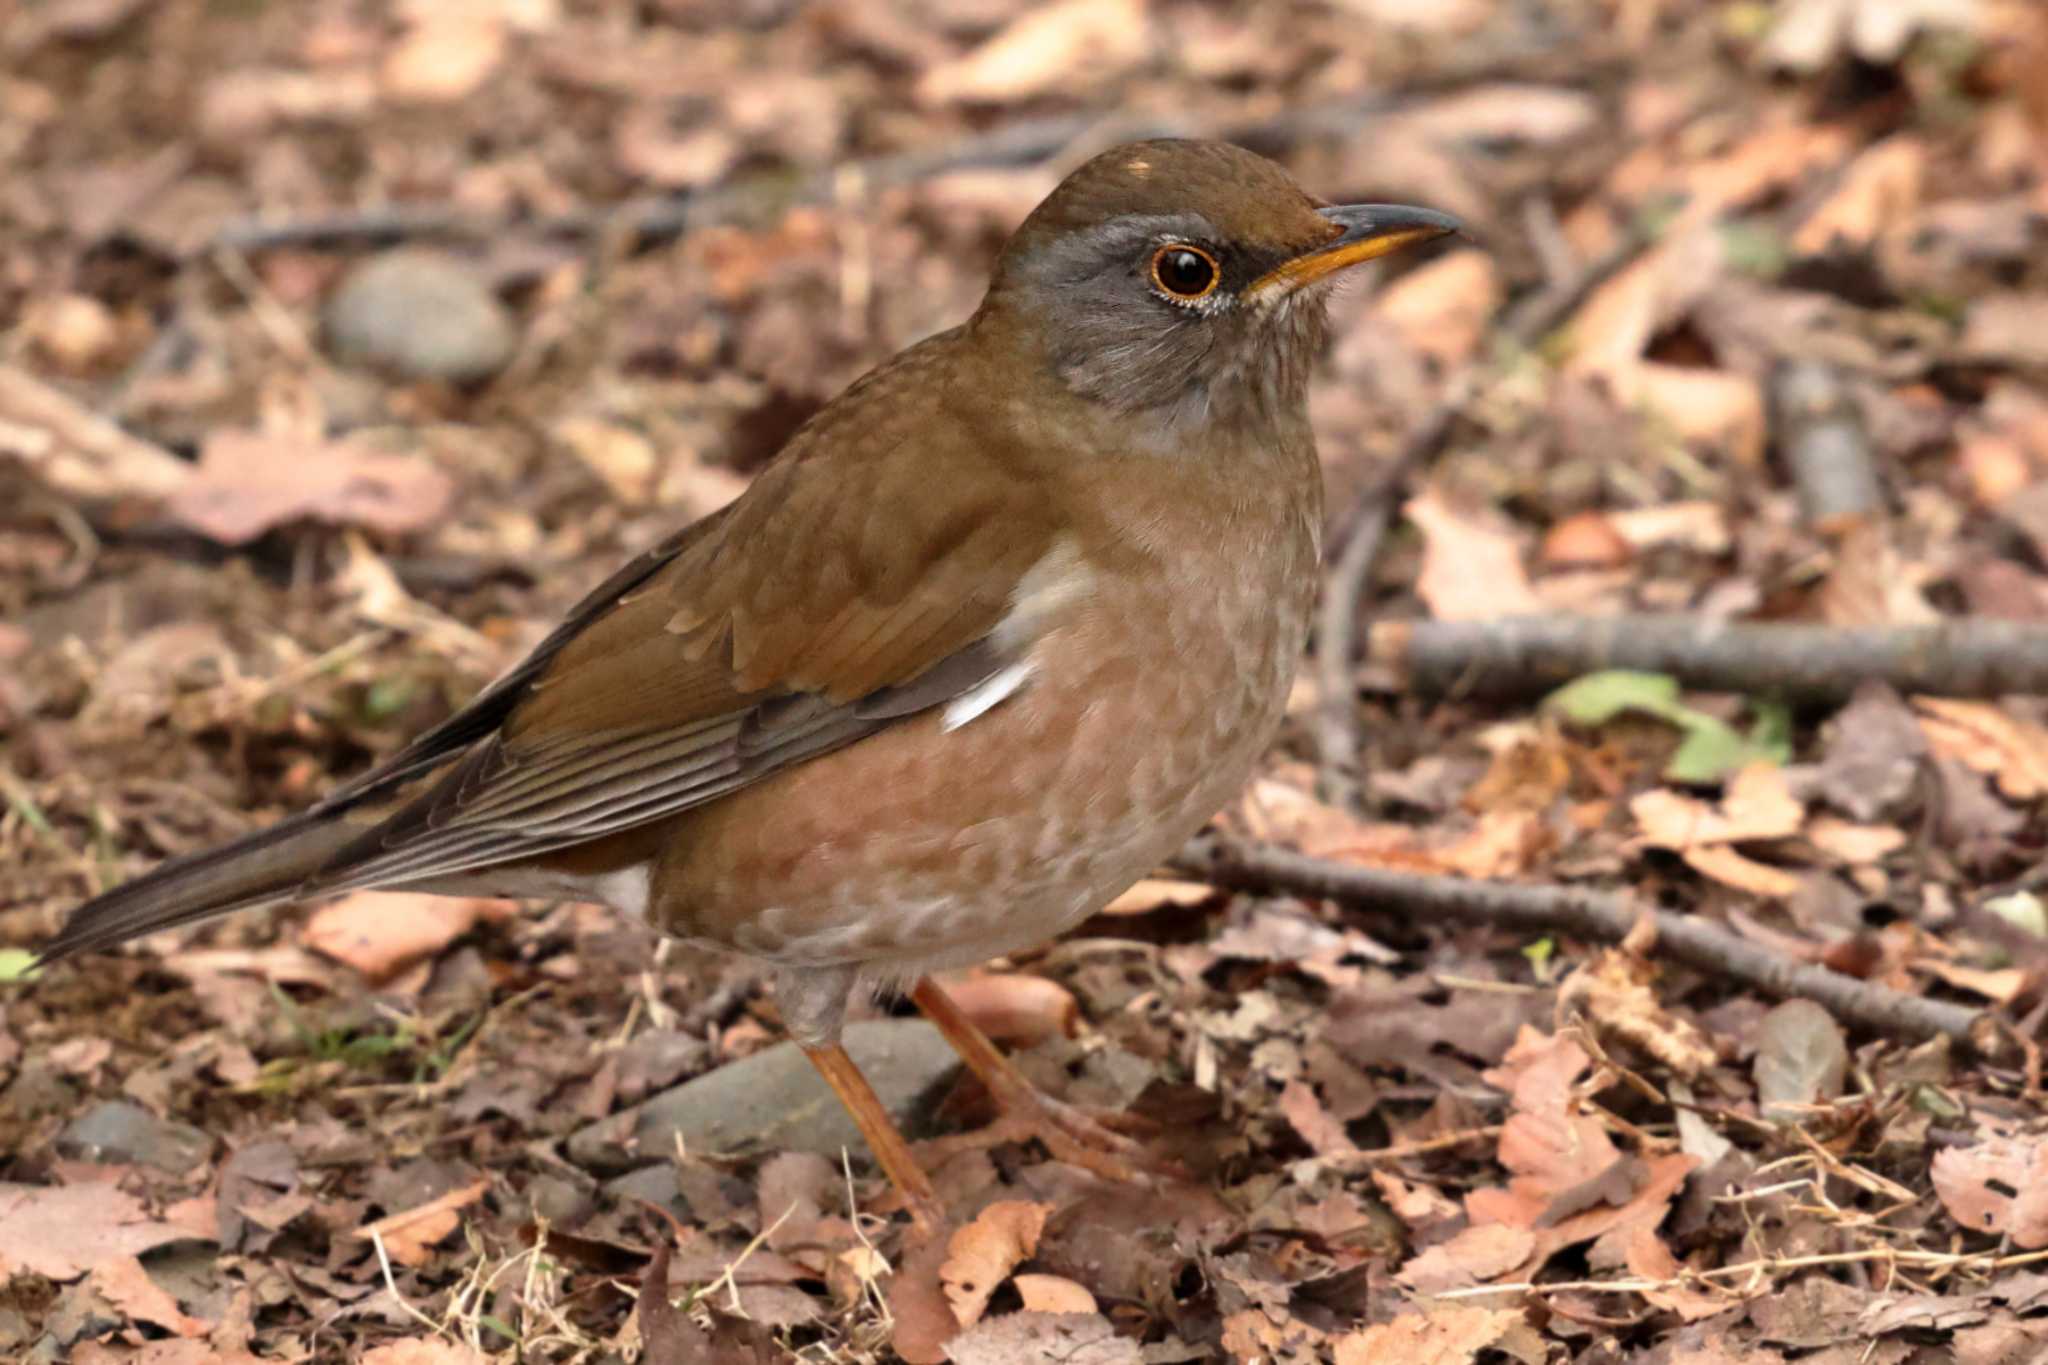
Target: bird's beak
[[1366, 232]]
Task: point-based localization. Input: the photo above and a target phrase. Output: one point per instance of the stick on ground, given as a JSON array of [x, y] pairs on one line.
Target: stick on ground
[[1592, 915]]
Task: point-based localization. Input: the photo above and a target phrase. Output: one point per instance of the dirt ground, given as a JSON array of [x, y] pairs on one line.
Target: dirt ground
[[1689, 533]]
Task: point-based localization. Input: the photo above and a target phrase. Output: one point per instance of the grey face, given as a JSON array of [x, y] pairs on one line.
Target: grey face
[[1150, 313]]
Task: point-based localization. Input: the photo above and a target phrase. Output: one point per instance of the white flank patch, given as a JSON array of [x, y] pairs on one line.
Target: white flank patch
[[980, 698], [626, 890]]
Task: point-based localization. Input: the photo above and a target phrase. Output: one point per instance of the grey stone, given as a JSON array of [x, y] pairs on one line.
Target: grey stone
[[776, 1101], [421, 314], [122, 1131]]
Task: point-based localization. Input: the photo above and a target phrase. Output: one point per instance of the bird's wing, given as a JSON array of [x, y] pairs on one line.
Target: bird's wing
[[843, 592]]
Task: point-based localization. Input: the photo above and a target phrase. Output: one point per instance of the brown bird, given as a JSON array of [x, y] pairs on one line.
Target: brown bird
[[997, 630]]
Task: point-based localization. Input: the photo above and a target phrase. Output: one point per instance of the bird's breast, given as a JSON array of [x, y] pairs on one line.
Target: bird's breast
[[1149, 673]]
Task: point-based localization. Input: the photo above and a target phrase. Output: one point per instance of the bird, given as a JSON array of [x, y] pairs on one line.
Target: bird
[[998, 628]]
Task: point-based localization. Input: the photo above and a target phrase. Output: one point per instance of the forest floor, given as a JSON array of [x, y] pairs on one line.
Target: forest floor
[[343, 346]]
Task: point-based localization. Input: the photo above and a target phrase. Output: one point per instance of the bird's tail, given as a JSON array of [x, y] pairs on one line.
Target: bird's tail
[[268, 866]]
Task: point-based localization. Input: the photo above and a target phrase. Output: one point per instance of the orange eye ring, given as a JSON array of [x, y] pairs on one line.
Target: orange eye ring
[[1184, 273]]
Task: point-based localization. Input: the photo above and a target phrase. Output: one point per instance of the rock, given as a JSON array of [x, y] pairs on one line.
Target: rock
[[422, 315], [125, 1132], [775, 1100]]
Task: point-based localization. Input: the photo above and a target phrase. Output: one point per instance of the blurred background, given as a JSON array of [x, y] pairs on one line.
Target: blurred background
[[342, 346]]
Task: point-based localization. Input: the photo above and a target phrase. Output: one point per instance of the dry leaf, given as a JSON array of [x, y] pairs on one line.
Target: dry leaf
[[444, 58], [1304, 1111], [1851, 843], [1154, 892], [1014, 1007], [1442, 308], [1998, 1186], [123, 1282], [1880, 189], [249, 482], [381, 933], [1479, 1253], [422, 1351], [1650, 1259], [1047, 48], [409, 1235], [1613, 990], [64, 1231], [1585, 540], [1984, 738], [1052, 1294], [1801, 1059], [1443, 1336], [1471, 563], [1758, 805], [982, 1254]]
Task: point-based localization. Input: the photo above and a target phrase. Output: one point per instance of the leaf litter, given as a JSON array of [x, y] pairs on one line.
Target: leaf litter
[[236, 569]]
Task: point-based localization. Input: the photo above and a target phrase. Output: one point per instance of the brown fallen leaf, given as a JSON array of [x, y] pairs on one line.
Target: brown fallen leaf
[[1650, 1259], [1880, 188], [1442, 308], [123, 1282], [1014, 1007], [1758, 805], [1031, 1338], [1306, 1115], [1153, 892], [1984, 738], [409, 1234], [422, 1351], [980, 1256], [1046, 48], [1442, 1336], [61, 1232], [1052, 1294], [1613, 991], [251, 481], [1998, 1186], [2003, 984], [1471, 562], [381, 933]]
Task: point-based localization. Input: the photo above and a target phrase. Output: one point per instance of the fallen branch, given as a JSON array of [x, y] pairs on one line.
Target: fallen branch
[[1363, 527], [1520, 655], [74, 450], [1591, 915], [655, 218]]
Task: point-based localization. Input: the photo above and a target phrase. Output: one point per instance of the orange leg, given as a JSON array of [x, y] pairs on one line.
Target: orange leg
[[1071, 1134], [884, 1141]]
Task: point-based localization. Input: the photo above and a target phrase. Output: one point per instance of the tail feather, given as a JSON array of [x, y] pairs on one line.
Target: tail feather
[[263, 868]]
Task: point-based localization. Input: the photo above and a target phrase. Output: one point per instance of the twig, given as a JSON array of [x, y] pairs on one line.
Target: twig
[[1401, 1151], [1363, 527], [74, 449], [1592, 915], [1944, 1260], [1520, 655], [657, 218]]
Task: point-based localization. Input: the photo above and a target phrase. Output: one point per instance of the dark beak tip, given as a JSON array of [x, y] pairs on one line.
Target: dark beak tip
[[1365, 221]]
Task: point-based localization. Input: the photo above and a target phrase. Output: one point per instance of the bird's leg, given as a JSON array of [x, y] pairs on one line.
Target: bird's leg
[[1069, 1133], [888, 1145]]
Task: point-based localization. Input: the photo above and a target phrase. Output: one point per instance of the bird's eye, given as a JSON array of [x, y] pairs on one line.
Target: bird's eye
[[1184, 273]]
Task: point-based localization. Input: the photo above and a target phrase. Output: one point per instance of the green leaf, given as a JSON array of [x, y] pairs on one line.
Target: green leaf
[[1599, 697], [18, 964], [1710, 752], [2022, 910]]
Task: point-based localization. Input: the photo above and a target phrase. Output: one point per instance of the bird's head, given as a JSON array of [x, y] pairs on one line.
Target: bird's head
[[1187, 276]]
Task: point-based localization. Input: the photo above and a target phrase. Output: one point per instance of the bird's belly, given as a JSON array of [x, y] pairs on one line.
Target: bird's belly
[[923, 847]]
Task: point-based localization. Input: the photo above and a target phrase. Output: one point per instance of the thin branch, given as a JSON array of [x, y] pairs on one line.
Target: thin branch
[[654, 218], [1521, 655], [1592, 915]]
